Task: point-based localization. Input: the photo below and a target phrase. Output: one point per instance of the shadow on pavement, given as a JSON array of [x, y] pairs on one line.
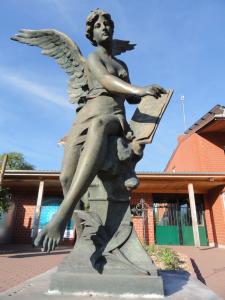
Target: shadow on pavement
[[19, 249], [38, 254], [197, 271], [207, 248], [174, 281]]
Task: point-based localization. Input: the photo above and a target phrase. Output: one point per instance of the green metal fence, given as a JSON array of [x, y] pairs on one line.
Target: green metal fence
[[172, 217]]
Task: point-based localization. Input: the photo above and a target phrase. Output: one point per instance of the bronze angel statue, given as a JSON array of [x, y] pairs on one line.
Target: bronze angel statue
[[99, 85]]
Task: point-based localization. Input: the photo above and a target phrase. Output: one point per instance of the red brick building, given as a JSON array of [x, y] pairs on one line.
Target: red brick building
[[183, 205], [202, 147]]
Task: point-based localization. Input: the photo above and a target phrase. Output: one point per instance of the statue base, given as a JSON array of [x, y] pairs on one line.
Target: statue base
[[65, 283], [108, 258]]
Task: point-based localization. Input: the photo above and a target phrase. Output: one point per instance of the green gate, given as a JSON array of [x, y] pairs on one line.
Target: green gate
[[172, 217]]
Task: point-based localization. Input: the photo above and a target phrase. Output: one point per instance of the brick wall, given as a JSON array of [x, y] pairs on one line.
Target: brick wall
[[186, 156], [24, 214], [212, 153], [23, 219], [25, 205], [204, 153], [199, 154], [137, 221], [217, 215], [214, 217]]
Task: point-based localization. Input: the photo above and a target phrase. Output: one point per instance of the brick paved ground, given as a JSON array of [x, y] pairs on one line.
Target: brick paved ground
[[209, 264], [21, 262]]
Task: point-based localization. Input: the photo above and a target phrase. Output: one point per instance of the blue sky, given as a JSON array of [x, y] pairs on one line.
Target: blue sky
[[180, 45]]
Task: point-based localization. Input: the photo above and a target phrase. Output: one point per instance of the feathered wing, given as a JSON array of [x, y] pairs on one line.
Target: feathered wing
[[67, 54], [120, 46]]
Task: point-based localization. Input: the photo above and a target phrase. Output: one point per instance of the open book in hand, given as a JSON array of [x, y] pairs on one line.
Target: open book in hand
[[147, 116]]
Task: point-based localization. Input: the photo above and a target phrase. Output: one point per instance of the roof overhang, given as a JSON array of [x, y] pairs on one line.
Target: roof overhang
[[213, 121], [149, 182], [216, 125], [178, 183], [30, 179]]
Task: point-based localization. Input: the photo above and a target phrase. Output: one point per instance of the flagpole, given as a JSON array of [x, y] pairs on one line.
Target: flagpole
[[184, 117]]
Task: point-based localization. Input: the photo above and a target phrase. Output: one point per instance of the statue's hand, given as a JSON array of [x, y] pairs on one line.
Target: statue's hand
[[152, 90]]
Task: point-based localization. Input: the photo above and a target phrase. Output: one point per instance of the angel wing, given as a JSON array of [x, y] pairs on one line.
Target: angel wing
[[120, 46], [67, 54]]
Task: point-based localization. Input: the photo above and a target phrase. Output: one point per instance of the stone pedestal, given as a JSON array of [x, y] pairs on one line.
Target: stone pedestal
[[76, 284], [108, 258]]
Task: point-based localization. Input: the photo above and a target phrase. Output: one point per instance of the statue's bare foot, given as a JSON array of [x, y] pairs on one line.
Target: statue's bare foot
[[50, 236]]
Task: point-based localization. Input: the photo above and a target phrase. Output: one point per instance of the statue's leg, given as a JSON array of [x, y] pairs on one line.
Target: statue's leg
[[69, 165], [90, 162]]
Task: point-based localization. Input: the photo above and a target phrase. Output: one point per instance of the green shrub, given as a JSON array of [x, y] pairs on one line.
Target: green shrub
[[151, 249], [169, 258], [166, 256]]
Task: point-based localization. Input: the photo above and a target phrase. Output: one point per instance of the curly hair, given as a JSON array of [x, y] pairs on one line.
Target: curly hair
[[92, 18]]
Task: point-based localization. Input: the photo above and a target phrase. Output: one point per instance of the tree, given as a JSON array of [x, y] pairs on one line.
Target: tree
[[5, 198], [16, 161]]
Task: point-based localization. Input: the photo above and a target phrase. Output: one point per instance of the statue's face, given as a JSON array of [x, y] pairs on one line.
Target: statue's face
[[102, 30]]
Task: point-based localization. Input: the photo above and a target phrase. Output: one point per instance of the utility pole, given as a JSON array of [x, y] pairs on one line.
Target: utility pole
[[184, 117], [2, 171], [4, 192]]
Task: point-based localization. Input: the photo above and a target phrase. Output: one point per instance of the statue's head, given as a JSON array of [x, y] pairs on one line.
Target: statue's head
[[91, 20]]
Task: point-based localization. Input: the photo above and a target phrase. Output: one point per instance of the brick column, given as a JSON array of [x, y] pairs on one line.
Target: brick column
[[208, 220], [150, 220], [137, 221]]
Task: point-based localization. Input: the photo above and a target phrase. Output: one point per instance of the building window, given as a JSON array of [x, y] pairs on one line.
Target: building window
[[49, 208]]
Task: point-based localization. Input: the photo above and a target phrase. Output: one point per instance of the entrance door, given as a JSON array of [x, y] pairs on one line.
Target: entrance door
[[186, 223], [173, 224], [166, 223]]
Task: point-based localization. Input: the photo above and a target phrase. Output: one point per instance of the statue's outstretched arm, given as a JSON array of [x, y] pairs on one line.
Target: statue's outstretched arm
[[115, 84], [134, 99]]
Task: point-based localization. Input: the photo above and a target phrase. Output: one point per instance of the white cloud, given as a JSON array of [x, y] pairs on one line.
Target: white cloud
[[39, 90]]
